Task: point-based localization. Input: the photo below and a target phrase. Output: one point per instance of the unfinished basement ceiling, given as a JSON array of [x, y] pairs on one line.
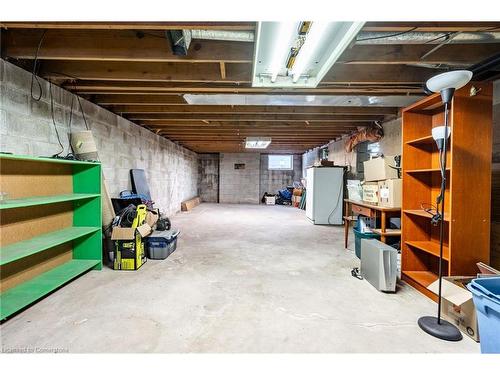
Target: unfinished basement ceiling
[[130, 69]]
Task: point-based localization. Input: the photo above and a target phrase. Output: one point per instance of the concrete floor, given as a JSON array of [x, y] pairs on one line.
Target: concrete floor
[[244, 278]]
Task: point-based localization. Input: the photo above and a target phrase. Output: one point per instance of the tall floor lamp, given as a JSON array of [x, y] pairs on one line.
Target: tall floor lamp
[[445, 84]]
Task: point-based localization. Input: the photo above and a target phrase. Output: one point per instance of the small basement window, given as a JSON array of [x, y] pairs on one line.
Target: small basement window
[[280, 162]]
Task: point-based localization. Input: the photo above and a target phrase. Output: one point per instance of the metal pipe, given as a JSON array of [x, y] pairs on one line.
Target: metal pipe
[[234, 36], [417, 37]]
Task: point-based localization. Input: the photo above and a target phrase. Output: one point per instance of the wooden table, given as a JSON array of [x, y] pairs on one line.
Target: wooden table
[[370, 210]]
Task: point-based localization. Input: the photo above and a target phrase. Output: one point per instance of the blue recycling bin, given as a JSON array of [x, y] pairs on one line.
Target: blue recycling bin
[[486, 295]]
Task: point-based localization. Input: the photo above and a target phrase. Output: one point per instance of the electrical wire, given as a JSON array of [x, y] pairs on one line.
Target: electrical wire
[[54, 121], [388, 36], [341, 190], [34, 71]]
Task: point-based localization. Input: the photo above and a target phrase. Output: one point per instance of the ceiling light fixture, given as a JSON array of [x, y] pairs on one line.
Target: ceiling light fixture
[[257, 142], [315, 49], [282, 48]]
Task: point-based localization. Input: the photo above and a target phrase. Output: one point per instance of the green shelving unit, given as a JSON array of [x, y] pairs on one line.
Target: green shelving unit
[[50, 221]]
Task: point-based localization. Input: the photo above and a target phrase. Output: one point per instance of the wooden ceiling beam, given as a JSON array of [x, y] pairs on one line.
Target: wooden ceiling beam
[[252, 124], [237, 26], [137, 99], [252, 117], [253, 109], [347, 74], [118, 45], [161, 88], [429, 26], [137, 71], [455, 54]]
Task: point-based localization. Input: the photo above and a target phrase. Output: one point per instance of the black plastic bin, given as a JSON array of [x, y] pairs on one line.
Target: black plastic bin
[[160, 244]]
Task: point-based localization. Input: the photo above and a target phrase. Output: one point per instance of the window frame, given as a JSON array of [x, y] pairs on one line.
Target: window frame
[[279, 169]]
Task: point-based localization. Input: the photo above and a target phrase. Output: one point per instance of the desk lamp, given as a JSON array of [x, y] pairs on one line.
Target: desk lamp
[[445, 84]]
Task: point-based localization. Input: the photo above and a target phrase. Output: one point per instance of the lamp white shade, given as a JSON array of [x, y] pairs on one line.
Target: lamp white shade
[[449, 80], [438, 132]]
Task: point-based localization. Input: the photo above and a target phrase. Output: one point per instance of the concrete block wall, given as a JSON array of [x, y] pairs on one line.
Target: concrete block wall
[[389, 145], [239, 185], [26, 128], [208, 177], [273, 180]]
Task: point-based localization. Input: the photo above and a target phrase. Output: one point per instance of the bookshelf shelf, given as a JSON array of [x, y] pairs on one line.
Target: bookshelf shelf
[[467, 201], [61, 201]]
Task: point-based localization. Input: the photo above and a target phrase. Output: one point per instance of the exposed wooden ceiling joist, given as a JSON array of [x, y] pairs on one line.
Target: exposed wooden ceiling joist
[[158, 88], [91, 45], [454, 54], [430, 26], [369, 26], [113, 99], [252, 117], [241, 26], [282, 125], [235, 73], [253, 109]]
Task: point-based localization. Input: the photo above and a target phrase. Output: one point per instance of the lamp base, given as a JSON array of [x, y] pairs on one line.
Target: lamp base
[[444, 330]]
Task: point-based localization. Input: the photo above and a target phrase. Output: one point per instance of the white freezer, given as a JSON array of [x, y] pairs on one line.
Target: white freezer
[[325, 195]]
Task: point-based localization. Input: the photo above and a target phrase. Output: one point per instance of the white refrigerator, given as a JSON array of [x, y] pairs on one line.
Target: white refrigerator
[[325, 195]]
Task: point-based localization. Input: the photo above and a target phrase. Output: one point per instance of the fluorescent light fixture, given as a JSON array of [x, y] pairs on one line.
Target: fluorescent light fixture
[[313, 41], [319, 49], [282, 49], [257, 142]]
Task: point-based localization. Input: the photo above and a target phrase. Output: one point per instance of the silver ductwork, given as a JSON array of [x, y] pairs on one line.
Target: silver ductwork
[[413, 37], [233, 36], [417, 37]]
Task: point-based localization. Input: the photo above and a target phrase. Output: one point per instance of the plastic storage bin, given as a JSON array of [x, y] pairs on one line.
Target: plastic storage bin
[[357, 240], [159, 245], [486, 295]]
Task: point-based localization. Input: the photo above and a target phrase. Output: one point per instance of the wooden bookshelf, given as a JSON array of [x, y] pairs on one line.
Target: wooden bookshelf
[[50, 221], [467, 201]]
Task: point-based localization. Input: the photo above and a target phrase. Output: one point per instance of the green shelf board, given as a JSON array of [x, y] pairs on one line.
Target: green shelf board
[[40, 243], [46, 160], [37, 201], [30, 291]]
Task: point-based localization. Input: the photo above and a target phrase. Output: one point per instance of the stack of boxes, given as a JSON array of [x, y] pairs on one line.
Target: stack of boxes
[[382, 186]]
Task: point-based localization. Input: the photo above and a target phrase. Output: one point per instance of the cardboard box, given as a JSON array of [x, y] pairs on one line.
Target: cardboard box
[[271, 200], [296, 200], [389, 192], [120, 233], [370, 192], [457, 306], [380, 169]]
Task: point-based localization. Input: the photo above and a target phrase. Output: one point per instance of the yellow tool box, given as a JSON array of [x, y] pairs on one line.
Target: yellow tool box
[[129, 247]]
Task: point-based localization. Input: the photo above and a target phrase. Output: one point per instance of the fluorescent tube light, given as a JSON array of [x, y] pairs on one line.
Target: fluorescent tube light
[[282, 47], [321, 48], [313, 41], [257, 142]]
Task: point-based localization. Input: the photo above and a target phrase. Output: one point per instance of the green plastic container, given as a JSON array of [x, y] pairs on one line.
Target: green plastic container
[[358, 236]]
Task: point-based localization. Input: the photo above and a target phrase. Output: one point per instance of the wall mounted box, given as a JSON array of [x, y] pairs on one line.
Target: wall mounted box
[[380, 169]]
